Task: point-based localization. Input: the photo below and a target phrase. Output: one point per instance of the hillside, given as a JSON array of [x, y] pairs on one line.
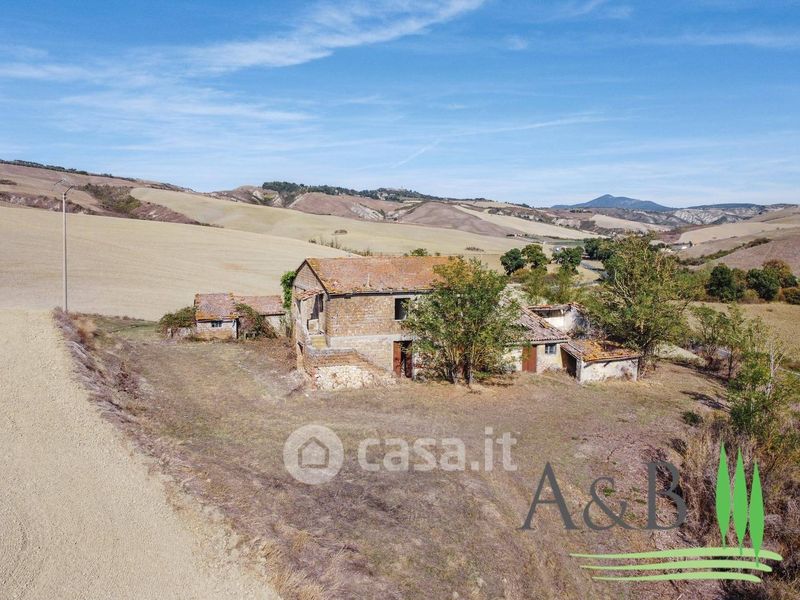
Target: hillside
[[136, 268], [380, 237]]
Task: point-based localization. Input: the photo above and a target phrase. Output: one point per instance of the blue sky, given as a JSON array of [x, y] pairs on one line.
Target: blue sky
[[681, 102]]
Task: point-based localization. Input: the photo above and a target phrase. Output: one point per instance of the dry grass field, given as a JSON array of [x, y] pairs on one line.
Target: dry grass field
[[136, 268], [381, 238], [216, 416]]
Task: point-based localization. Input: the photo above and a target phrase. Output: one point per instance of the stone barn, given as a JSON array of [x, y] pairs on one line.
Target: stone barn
[[216, 316], [597, 360], [347, 315], [539, 349]]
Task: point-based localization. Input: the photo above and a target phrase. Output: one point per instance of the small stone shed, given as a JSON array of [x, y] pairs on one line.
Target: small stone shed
[[597, 360], [539, 349], [216, 316]]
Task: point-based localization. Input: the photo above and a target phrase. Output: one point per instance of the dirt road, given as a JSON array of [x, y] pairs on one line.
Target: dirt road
[[80, 517]]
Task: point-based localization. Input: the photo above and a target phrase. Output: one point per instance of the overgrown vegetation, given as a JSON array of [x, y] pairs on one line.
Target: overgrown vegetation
[[768, 283], [287, 281], [465, 324], [252, 324], [763, 423], [643, 298], [701, 260], [113, 198], [183, 317]]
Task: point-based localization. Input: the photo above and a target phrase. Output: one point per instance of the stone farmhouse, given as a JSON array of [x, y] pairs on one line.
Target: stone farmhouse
[[347, 318], [216, 316], [347, 315]]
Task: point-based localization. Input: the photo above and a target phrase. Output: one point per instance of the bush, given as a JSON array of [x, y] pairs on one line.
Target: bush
[[287, 283], [184, 317], [750, 297], [252, 324], [765, 282], [792, 295], [691, 418]]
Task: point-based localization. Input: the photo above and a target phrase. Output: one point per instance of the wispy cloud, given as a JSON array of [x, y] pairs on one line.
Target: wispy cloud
[[758, 39], [415, 154], [329, 27]]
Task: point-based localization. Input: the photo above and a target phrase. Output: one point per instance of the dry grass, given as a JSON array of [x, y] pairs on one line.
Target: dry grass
[[217, 416], [136, 268]]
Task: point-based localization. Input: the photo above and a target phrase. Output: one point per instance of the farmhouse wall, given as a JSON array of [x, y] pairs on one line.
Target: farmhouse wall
[[228, 331], [600, 371]]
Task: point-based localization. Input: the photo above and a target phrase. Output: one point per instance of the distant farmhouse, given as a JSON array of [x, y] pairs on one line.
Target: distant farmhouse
[[347, 318], [216, 315]]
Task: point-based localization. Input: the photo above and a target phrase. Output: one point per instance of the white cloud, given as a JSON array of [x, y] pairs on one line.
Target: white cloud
[[326, 28]]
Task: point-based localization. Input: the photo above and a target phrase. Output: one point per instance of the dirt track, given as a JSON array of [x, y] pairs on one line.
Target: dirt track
[[80, 517]]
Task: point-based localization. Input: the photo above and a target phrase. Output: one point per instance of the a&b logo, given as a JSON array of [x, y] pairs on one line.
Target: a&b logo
[[742, 563]]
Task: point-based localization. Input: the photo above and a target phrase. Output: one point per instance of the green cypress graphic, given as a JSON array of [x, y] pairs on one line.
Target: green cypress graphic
[[756, 512], [740, 501], [723, 496]]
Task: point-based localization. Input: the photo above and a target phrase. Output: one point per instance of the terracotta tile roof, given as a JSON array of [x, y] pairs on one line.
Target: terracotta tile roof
[[305, 294], [536, 329], [220, 307], [263, 305], [376, 274], [599, 350]]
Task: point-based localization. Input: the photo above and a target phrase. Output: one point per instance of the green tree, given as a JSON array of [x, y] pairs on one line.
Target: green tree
[[765, 283], [782, 271], [569, 258], [419, 252], [466, 323], [561, 286], [710, 332], [724, 285], [512, 261], [598, 248], [533, 285], [535, 257], [642, 300]]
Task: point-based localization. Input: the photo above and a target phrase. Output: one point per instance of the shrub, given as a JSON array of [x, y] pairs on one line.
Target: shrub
[[765, 282], [474, 249], [750, 297], [691, 418], [792, 295], [183, 317], [252, 324]]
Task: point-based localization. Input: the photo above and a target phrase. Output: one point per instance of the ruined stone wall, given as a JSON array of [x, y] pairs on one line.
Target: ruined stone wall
[[600, 371]]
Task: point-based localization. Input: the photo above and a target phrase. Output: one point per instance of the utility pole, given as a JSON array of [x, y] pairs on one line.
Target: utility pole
[[64, 239]]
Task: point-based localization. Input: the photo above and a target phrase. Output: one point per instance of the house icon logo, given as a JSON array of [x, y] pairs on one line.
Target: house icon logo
[[313, 454]]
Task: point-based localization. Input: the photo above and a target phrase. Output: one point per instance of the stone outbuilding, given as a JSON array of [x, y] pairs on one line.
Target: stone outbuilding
[[597, 360], [216, 315], [348, 312], [539, 349]]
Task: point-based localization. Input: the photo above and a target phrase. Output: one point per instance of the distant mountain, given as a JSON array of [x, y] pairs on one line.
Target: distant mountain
[[609, 201]]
